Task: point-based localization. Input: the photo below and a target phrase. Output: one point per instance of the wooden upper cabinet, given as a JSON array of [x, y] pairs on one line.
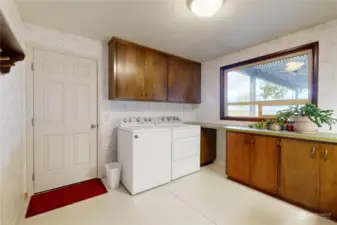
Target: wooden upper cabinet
[[328, 179], [10, 49], [193, 92], [177, 84], [140, 73], [299, 173], [264, 163], [155, 82], [238, 156], [184, 81], [130, 69]]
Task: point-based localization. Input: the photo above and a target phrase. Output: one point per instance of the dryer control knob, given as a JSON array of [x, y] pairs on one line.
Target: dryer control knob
[[130, 120], [138, 119]]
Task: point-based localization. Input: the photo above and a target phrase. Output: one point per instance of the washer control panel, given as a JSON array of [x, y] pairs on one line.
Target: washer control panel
[[168, 120]]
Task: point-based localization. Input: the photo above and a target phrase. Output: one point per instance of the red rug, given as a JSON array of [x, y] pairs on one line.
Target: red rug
[[47, 201]]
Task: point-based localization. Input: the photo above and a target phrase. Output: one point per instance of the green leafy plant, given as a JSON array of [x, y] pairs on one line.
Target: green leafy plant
[[273, 91], [259, 125], [315, 114], [264, 124]]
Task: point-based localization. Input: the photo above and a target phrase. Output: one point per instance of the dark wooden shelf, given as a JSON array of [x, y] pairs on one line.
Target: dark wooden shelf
[[10, 50]]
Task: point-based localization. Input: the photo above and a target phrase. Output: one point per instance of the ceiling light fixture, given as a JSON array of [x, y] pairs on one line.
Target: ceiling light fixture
[[293, 66], [204, 8]]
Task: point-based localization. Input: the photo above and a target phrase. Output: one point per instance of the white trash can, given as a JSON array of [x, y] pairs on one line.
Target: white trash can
[[113, 174]]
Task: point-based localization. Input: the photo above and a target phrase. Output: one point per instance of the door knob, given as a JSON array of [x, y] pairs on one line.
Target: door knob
[[93, 126]]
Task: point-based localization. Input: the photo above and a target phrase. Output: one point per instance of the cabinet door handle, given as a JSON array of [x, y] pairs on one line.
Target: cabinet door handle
[[145, 94], [313, 151], [326, 155], [141, 93], [252, 141]]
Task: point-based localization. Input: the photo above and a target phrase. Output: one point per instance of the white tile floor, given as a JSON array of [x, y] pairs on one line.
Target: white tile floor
[[203, 198]]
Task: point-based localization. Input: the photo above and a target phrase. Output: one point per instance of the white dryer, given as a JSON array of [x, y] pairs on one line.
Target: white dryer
[[185, 146], [144, 151]]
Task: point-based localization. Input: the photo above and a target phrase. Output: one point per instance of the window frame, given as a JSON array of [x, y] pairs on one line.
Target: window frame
[[313, 47]]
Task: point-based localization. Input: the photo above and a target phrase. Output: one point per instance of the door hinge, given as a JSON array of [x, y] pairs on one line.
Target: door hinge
[[33, 177], [32, 66], [33, 122]]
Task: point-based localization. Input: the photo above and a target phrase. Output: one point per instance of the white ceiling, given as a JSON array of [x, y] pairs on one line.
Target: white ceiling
[[168, 25]]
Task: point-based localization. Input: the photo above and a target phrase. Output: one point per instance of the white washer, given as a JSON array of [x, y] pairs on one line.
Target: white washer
[[144, 151], [185, 146]]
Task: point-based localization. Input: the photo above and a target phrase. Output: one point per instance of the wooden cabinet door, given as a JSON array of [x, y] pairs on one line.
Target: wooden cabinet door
[[184, 80], [264, 162], [299, 174], [328, 179], [207, 146], [193, 92], [177, 80], [130, 68], [155, 82], [238, 156]]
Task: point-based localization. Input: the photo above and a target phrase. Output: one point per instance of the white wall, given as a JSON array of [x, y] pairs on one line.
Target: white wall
[[326, 34], [11, 144], [12, 132], [110, 112]]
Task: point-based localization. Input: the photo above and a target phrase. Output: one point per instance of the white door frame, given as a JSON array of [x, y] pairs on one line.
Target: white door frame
[[29, 187]]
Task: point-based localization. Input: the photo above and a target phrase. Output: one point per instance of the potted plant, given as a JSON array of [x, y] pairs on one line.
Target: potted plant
[[308, 117], [275, 124]]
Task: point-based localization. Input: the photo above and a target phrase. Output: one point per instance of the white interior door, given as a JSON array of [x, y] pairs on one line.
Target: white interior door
[[65, 114]]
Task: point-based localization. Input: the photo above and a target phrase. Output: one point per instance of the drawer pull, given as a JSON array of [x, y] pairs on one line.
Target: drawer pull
[[326, 155], [313, 151]]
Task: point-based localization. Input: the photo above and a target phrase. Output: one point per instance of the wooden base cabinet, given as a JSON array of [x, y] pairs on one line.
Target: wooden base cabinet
[[328, 179], [264, 163], [253, 160], [309, 175], [301, 172], [238, 156]]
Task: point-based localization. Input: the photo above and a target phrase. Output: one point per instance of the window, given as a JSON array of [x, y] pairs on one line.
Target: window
[[256, 89]]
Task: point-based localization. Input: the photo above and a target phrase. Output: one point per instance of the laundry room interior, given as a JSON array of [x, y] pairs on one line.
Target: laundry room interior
[[191, 112]]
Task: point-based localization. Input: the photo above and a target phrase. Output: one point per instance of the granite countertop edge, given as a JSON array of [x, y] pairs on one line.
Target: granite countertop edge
[[320, 136]]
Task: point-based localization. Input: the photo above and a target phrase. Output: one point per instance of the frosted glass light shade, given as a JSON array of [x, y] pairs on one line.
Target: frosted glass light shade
[[204, 8]]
